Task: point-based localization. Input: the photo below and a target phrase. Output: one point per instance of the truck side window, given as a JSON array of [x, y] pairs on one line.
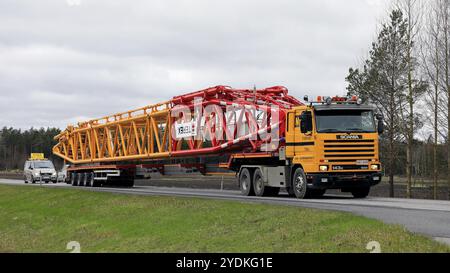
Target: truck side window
[[306, 122]]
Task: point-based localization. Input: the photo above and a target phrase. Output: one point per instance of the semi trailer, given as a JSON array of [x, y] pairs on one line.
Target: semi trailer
[[269, 139]]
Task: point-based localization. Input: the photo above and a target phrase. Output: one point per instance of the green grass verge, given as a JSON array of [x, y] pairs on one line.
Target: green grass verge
[[34, 219]]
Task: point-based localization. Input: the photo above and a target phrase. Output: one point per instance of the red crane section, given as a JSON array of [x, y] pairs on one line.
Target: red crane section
[[216, 120]]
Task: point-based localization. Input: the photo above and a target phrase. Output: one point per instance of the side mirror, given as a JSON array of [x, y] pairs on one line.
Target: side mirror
[[380, 126]]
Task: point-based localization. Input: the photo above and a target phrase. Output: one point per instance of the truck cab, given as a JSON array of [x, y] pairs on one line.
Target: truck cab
[[333, 144]]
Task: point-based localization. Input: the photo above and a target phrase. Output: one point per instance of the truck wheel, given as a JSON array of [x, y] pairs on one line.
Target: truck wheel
[[361, 193], [258, 184], [299, 183], [245, 182], [290, 192]]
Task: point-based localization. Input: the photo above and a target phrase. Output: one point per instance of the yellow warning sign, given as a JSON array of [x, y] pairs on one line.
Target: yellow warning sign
[[37, 156]]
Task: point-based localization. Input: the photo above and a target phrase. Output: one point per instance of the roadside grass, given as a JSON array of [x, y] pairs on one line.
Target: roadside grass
[[35, 219]]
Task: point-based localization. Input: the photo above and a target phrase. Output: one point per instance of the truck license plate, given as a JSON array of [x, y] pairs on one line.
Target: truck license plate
[[362, 162]]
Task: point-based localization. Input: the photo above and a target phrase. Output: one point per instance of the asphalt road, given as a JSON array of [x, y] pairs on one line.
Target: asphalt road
[[427, 217]]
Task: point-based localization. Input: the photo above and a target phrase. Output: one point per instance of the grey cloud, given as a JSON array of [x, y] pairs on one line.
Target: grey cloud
[[62, 63]]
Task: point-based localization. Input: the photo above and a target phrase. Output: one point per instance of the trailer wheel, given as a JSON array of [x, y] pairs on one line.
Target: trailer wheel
[[258, 184], [78, 178], [299, 183], [82, 179], [73, 179], [93, 183], [245, 182], [361, 193], [87, 179]]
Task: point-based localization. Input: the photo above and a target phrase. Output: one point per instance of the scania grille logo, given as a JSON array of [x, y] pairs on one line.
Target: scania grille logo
[[349, 137]]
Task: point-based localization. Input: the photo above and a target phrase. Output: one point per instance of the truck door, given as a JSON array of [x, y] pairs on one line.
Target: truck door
[[290, 134], [304, 137]]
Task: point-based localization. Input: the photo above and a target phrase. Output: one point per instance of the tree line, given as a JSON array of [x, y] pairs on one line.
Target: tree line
[[17, 145], [406, 76]]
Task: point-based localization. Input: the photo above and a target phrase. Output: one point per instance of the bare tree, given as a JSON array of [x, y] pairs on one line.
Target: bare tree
[[444, 7], [412, 9], [430, 54]]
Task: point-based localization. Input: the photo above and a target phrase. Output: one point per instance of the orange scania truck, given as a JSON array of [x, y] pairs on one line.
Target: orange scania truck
[[269, 139]]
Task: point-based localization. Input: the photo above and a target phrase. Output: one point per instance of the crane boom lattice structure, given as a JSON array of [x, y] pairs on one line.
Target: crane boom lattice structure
[[150, 132]]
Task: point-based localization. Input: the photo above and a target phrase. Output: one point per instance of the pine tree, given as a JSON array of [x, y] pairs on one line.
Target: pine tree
[[383, 82]]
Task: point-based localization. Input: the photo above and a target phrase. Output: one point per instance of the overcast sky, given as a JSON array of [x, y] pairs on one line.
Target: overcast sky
[[63, 61]]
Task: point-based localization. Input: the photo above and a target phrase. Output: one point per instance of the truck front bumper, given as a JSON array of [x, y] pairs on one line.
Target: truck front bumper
[[343, 181]]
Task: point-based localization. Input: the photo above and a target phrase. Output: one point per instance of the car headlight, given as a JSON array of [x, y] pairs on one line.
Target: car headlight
[[36, 174], [375, 167], [323, 168]]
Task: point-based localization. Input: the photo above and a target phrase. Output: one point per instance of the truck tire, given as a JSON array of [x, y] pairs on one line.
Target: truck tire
[[290, 192], [258, 183], [299, 183], [245, 182], [361, 192]]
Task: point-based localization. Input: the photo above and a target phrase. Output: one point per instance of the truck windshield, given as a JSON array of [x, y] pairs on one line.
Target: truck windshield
[[345, 121], [43, 165]]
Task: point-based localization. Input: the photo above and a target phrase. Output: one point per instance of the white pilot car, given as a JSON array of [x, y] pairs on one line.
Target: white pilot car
[[39, 170]]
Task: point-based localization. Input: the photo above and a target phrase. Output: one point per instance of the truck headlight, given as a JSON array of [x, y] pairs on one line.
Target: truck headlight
[[375, 167], [323, 168]]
